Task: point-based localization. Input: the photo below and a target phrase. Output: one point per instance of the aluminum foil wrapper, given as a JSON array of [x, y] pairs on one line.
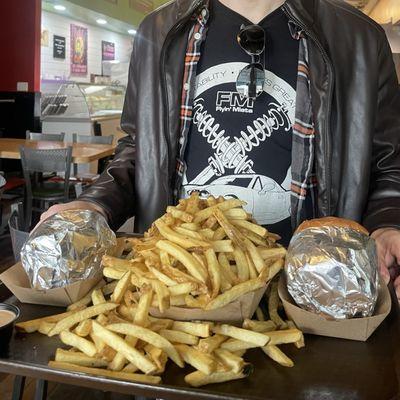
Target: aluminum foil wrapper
[[66, 248], [333, 272]]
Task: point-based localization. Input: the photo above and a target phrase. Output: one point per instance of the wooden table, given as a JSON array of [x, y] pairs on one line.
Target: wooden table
[[82, 153], [327, 368]]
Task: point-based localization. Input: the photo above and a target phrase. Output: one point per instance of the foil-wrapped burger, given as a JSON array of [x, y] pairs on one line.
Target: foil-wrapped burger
[[66, 248], [331, 268]]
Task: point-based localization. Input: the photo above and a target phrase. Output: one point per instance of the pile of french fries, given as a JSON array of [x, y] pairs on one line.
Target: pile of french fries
[[201, 254]]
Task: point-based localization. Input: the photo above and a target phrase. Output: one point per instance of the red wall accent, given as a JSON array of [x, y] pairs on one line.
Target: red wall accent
[[20, 32]]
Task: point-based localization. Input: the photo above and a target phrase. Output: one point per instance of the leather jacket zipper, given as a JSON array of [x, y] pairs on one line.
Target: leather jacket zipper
[[164, 92], [328, 63]]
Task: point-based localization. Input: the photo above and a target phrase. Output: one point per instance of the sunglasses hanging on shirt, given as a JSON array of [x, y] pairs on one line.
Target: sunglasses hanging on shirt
[[250, 81]]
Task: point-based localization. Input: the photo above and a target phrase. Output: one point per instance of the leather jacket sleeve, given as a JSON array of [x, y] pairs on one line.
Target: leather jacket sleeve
[[114, 191], [383, 206]]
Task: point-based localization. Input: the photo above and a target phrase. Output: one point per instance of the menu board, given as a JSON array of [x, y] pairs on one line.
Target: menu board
[[107, 51], [79, 47], [59, 47]]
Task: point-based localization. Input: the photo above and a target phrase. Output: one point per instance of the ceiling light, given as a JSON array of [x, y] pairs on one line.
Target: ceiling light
[[132, 31], [101, 21], [59, 7]]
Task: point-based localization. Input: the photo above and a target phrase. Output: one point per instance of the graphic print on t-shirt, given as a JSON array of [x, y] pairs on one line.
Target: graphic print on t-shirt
[[241, 147], [231, 169]]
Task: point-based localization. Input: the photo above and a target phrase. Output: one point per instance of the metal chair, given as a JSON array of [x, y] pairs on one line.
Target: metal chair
[[41, 161], [54, 137]]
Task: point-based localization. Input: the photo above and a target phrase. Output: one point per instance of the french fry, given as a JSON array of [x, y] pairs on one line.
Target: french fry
[[231, 231], [198, 378], [275, 268], [191, 226], [79, 316], [257, 229], [165, 279], [273, 302], [276, 252], [34, 324], [179, 214], [158, 356], [284, 336], [234, 345], [109, 288], [119, 345], [179, 337], [84, 345], [246, 335], [242, 266], [277, 355], [219, 234], [201, 361], [222, 246], [142, 311], [125, 376], [213, 271], [191, 264], [79, 358], [230, 360], [102, 319], [45, 327], [259, 326], [260, 314], [207, 233], [98, 297], [121, 287], [112, 273], [84, 327], [252, 269], [227, 269], [150, 337], [118, 362], [300, 343], [179, 239], [162, 295], [234, 293], [236, 213], [193, 328], [208, 345], [130, 368], [182, 288], [84, 301], [208, 212], [255, 256]]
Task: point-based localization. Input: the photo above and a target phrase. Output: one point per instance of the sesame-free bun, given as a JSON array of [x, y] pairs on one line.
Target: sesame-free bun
[[331, 221]]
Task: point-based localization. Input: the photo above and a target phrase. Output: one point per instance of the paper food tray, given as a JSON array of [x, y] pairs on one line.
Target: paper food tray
[[234, 312], [17, 282], [353, 329]]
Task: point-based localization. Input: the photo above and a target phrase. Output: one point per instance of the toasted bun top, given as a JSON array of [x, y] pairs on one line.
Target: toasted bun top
[[331, 221]]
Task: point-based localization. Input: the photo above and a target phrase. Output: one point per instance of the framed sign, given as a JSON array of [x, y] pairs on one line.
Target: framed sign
[[107, 51], [59, 47], [79, 46]]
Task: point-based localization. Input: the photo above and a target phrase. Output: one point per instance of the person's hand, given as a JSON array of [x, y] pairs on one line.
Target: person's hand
[[73, 205], [388, 251]]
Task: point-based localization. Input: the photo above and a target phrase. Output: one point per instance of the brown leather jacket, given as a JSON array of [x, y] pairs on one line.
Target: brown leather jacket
[[356, 102]]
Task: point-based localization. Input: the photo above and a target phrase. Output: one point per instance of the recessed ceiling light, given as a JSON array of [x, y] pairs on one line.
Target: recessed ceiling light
[[101, 21], [132, 31], [59, 7]]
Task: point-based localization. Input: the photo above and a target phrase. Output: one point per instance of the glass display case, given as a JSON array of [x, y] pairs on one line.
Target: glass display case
[[73, 107], [104, 100]]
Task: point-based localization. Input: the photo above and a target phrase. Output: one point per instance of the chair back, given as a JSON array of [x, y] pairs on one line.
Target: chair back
[[52, 160], [18, 236], [53, 137], [88, 139]]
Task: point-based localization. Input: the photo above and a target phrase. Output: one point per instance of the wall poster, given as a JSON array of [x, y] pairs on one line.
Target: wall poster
[[107, 51], [79, 46]]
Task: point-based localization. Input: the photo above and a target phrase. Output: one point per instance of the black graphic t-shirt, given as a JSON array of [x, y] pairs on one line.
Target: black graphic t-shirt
[[239, 147]]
